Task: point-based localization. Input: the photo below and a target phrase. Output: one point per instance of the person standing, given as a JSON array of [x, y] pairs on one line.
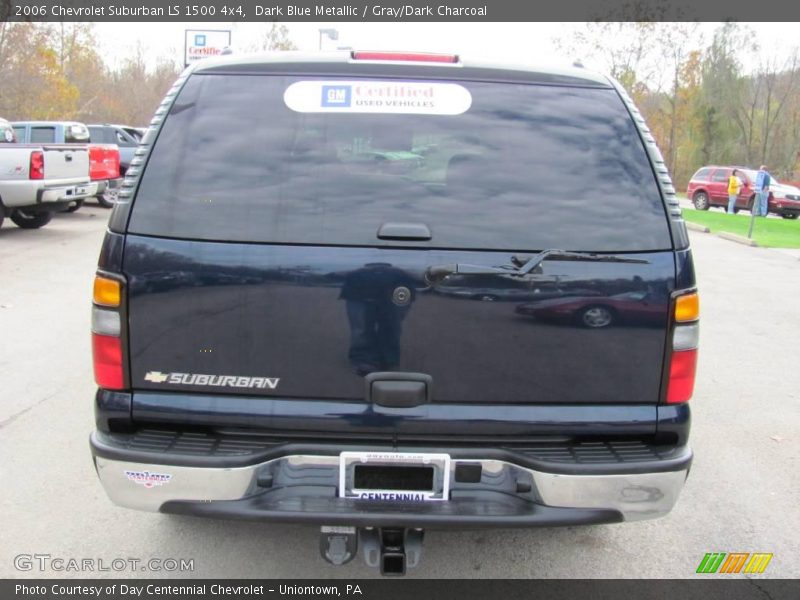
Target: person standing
[[761, 201], [734, 185]]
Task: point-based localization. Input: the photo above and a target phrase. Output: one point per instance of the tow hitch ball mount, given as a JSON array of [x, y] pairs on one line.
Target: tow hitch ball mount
[[393, 550]]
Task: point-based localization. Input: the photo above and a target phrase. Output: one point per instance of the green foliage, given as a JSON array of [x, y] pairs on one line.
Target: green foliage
[[53, 71], [769, 233]]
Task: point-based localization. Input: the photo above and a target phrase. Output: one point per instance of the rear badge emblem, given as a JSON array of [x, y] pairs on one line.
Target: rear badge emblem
[[234, 381], [401, 296]]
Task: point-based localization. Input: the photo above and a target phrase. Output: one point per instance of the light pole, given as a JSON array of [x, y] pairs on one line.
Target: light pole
[[332, 34]]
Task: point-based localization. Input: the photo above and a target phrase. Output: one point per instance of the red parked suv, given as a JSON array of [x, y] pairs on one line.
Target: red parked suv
[[709, 187]]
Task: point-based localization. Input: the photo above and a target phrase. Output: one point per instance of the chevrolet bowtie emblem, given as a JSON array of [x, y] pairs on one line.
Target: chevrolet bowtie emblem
[[156, 376]]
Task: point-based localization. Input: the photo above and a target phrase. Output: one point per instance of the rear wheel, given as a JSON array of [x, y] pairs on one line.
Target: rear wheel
[[700, 201], [30, 220], [106, 200], [596, 317], [789, 215], [75, 206]]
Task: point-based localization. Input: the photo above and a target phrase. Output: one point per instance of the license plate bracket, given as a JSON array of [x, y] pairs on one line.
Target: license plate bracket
[[394, 476]]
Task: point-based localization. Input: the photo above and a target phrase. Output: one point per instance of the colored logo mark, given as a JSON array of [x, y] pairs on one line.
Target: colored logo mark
[[734, 562], [200, 40], [336, 95]]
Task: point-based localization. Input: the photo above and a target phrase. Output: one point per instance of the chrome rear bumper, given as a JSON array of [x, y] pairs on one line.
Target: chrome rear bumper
[[303, 488]]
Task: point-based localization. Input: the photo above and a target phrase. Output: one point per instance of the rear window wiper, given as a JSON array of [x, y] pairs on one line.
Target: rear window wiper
[[523, 265]]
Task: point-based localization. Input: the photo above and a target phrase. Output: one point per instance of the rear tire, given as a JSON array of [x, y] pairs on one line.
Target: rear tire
[[30, 220], [74, 207], [700, 201], [789, 215], [104, 201]]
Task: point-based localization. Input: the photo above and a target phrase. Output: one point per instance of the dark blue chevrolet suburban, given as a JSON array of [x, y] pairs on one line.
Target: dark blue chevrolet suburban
[[316, 302]]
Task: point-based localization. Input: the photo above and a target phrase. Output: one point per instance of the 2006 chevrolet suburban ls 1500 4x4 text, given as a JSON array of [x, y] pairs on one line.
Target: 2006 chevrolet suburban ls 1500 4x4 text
[[275, 334]]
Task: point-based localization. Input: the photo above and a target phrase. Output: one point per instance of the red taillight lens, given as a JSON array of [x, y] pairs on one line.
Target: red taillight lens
[[682, 371], [115, 164], [107, 355], [36, 170], [406, 56]]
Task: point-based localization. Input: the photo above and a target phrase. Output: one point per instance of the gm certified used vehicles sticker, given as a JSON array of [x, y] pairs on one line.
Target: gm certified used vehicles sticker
[[400, 97]]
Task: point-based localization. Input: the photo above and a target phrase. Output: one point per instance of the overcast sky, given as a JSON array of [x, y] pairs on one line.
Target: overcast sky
[[527, 42]]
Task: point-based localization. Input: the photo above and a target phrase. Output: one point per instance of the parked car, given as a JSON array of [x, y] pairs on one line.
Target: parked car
[[50, 132], [708, 188], [104, 169], [104, 161], [37, 180], [595, 311], [127, 138], [784, 200], [373, 410]]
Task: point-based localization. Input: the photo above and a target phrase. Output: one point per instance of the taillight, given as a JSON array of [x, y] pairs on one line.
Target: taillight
[[406, 56], [115, 164], [36, 170], [107, 354], [107, 333], [685, 339]]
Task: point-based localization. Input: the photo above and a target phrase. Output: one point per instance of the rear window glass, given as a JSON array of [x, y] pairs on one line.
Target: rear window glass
[[524, 167], [43, 134]]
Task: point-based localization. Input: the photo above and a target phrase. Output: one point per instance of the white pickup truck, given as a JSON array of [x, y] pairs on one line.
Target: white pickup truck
[[37, 180]]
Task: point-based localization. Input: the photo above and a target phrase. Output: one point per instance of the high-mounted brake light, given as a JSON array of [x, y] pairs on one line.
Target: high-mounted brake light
[[685, 339], [36, 170], [406, 56]]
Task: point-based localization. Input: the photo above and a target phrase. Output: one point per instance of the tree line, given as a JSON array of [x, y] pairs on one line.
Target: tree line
[[700, 101], [54, 71]]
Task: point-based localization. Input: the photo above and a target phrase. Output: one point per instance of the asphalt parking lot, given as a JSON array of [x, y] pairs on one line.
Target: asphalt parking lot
[[742, 494]]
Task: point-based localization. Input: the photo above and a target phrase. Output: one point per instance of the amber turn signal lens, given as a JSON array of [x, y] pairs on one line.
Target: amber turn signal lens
[[107, 292], [687, 308]]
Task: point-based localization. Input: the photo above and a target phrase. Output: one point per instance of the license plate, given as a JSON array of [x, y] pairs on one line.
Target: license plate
[[394, 476], [81, 191]]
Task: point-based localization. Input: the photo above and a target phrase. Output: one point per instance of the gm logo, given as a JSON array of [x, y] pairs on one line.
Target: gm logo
[[336, 95], [200, 40], [734, 562]]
